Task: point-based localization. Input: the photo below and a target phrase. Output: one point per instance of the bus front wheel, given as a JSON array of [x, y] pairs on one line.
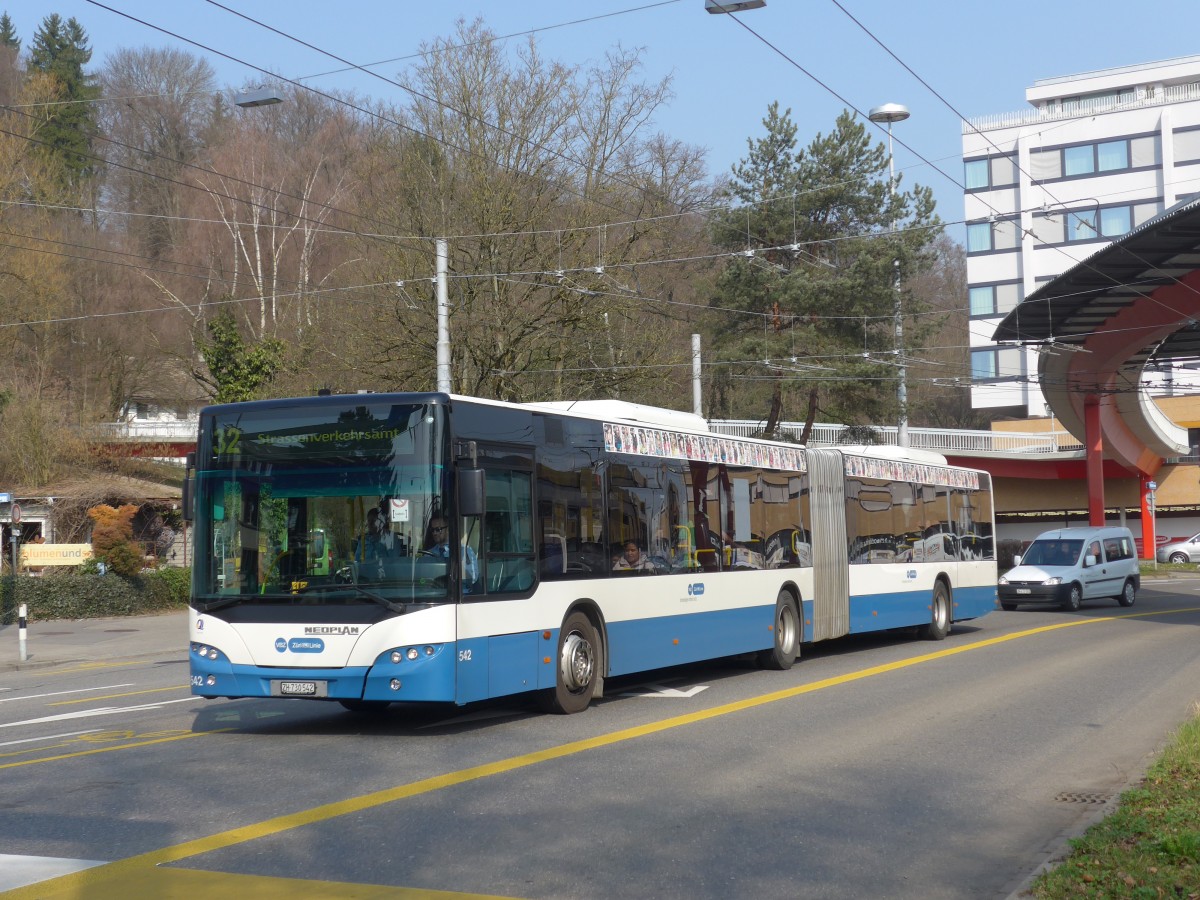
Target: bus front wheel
[[787, 635], [577, 669]]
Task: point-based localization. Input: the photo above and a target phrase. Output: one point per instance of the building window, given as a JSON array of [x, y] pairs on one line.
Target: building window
[[1112, 156], [977, 174], [1187, 145], [995, 363], [1082, 226], [994, 299], [1090, 159], [990, 172], [1115, 221], [1079, 160], [979, 237], [983, 237]]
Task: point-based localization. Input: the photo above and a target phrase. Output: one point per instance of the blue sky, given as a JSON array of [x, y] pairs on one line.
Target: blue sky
[[978, 57]]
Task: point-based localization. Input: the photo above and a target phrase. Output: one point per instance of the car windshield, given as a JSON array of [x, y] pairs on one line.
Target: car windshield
[[1052, 553]]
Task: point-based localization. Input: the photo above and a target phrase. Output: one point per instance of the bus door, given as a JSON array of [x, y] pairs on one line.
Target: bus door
[[498, 648]]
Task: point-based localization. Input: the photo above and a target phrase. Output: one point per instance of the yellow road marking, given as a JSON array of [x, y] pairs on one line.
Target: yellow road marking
[[112, 879], [95, 750], [93, 699]]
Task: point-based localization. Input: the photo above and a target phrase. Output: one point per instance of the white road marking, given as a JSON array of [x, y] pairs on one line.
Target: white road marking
[[60, 693], [49, 737], [102, 711], [18, 871], [658, 690]]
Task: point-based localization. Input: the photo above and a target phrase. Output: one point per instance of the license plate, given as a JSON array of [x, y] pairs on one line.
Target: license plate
[[1024, 591], [299, 689]]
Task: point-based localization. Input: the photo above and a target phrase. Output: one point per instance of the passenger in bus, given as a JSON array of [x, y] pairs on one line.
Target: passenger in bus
[[633, 560], [437, 544]]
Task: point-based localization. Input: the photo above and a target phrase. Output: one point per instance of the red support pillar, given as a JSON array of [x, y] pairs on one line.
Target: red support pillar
[[1149, 531], [1094, 445]]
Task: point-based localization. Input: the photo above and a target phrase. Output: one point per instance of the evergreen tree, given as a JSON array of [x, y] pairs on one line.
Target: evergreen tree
[[60, 51], [8, 34], [237, 370], [821, 275]]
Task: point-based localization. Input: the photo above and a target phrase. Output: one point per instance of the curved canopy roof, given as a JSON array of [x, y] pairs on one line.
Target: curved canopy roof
[[1132, 306]]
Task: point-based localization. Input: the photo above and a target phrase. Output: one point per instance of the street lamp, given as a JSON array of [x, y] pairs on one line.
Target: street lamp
[[260, 97], [895, 112]]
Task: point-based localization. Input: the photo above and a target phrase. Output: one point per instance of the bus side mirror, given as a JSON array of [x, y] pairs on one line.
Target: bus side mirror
[[188, 500], [470, 492]]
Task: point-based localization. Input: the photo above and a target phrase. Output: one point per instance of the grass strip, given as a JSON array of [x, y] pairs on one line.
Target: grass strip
[[1148, 847]]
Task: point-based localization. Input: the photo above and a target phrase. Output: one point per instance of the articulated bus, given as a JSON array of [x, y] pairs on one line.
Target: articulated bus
[[745, 547]]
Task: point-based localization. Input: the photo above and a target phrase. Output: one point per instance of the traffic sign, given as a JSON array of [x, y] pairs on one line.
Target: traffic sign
[[5, 497], [16, 513]]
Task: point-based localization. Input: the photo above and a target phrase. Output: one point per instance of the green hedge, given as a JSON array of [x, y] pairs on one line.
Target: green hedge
[[85, 596]]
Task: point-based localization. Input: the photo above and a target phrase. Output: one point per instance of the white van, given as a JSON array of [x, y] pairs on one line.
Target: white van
[[1069, 565]]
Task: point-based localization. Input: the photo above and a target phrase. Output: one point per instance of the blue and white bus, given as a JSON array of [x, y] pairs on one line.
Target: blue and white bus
[[748, 546]]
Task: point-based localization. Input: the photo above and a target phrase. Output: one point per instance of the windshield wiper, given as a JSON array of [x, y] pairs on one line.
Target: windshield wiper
[[213, 605], [381, 600], [359, 589]]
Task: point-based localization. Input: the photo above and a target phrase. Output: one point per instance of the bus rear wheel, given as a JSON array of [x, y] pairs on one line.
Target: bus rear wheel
[[787, 635], [577, 669], [939, 618]]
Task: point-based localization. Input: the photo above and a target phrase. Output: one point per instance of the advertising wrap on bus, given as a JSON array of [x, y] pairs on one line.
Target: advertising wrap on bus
[[417, 548]]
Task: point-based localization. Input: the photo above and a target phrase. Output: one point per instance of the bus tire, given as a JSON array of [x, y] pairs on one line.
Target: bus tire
[[786, 629], [577, 671], [939, 614]]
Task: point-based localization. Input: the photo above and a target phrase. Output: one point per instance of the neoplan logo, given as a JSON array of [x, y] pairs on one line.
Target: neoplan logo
[[332, 629]]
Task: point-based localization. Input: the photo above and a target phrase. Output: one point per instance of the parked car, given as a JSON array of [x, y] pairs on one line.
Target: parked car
[[1182, 551], [1069, 565]]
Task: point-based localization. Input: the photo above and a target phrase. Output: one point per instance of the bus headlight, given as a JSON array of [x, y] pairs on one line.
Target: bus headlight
[[206, 652], [412, 653], [397, 656]]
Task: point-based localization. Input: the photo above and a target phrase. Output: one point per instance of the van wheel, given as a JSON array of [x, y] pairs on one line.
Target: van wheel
[[1128, 593], [939, 621], [1074, 598], [577, 669], [787, 636]]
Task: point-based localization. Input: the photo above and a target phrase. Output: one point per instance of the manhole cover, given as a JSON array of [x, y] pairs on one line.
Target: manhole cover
[[1083, 797]]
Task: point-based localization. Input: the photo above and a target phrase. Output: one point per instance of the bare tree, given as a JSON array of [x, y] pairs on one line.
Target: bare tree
[[157, 117], [556, 197]]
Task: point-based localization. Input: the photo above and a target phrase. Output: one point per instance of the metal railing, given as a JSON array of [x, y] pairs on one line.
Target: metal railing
[[940, 440], [146, 432], [1174, 93]]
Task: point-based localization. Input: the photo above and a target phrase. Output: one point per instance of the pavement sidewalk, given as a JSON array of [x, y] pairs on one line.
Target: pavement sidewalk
[[61, 641]]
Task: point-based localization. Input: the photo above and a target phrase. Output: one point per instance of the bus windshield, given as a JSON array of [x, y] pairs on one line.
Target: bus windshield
[[332, 504]]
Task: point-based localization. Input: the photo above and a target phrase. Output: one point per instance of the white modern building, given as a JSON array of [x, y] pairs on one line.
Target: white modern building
[[1095, 156]]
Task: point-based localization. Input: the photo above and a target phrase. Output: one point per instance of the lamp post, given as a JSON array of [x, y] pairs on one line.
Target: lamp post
[[895, 112]]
